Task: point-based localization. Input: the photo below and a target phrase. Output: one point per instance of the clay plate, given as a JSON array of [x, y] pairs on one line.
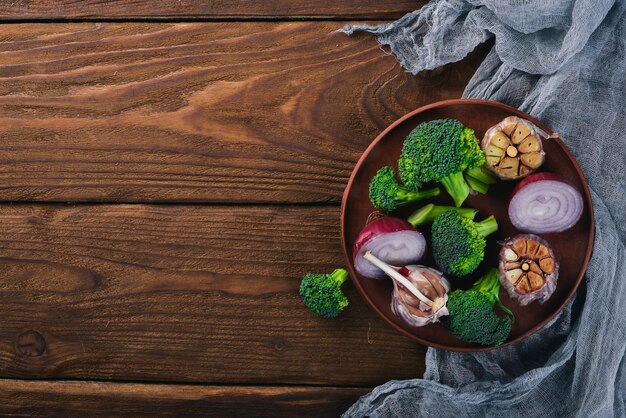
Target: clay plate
[[572, 247]]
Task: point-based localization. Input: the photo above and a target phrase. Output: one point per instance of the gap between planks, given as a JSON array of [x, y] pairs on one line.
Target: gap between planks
[[19, 397]]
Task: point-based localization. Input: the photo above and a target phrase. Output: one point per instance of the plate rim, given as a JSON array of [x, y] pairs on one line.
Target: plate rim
[[383, 134]]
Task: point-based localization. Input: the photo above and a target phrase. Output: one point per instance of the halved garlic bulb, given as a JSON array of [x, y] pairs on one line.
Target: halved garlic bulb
[[513, 148], [420, 293], [528, 268]]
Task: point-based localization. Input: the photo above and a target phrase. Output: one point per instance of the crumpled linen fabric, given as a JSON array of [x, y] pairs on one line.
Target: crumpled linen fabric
[[563, 62]]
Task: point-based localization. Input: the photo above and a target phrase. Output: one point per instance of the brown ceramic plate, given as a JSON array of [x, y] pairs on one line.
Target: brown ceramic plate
[[572, 247]]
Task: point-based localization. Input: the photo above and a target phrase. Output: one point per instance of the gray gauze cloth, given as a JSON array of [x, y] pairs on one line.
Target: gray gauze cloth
[[563, 62]]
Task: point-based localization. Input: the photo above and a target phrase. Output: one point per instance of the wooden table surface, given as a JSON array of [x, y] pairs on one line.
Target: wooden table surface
[[169, 171]]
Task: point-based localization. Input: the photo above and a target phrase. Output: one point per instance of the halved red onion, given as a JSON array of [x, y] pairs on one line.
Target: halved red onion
[[545, 203], [392, 240]]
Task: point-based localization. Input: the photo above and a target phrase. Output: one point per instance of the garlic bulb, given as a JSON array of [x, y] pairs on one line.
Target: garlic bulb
[[513, 148], [420, 293], [528, 268]]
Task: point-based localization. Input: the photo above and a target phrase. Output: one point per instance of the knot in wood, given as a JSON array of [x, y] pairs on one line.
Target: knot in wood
[[31, 343]]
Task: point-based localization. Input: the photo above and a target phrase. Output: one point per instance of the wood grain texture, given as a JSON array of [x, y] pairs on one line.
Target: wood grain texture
[[184, 294], [33, 398], [232, 9], [197, 112]]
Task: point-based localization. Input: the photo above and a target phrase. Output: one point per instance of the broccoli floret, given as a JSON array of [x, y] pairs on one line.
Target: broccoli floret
[[471, 312], [387, 194], [440, 150], [322, 293], [459, 243], [427, 214]]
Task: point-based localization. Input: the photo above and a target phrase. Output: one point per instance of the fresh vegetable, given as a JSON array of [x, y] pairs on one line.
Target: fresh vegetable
[[479, 179], [471, 312], [419, 293], [440, 150], [545, 203], [528, 268], [481, 174], [476, 185], [513, 148], [387, 194], [322, 293], [459, 243], [428, 213], [392, 240]]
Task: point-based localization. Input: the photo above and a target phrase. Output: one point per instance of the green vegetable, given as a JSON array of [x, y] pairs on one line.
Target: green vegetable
[[428, 213], [387, 194], [440, 150], [458, 243], [479, 179], [481, 174], [477, 185], [472, 317], [322, 293]]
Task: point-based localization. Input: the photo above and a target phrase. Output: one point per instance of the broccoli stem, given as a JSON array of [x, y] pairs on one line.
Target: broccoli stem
[[477, 185], [486, 227], [428, 213], [409, 196], [490, 284], [457, 187], [339, 275], [481, 174], [394, 274]]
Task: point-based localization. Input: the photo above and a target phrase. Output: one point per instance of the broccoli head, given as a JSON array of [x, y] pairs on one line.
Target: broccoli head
[[440, 150], [471, 312], [322, 293], [387, 194], [459, 243]]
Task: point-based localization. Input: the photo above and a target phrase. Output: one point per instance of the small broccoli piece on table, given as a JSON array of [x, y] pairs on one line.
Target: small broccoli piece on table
[[440, 150], [471, 312], [322, 293], [458, 243], [386, 193]]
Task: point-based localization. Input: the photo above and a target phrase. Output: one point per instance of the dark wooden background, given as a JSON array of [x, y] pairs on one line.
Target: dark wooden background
[[168, 172]]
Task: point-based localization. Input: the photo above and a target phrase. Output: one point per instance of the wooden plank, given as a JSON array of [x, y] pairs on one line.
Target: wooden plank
[[197, 112], [232, 9], [184, 294], [33, 398]]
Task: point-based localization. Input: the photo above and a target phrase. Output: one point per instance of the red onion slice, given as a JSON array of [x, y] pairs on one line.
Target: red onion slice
[[545, 203], [392, 240]]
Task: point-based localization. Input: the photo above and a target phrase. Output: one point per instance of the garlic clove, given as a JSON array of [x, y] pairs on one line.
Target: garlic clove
[[508, 125], [510, 255], [522, 130], [532, 160], [530, 144], [494, 151], [500, 140], [514, 275], [547, 265]]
